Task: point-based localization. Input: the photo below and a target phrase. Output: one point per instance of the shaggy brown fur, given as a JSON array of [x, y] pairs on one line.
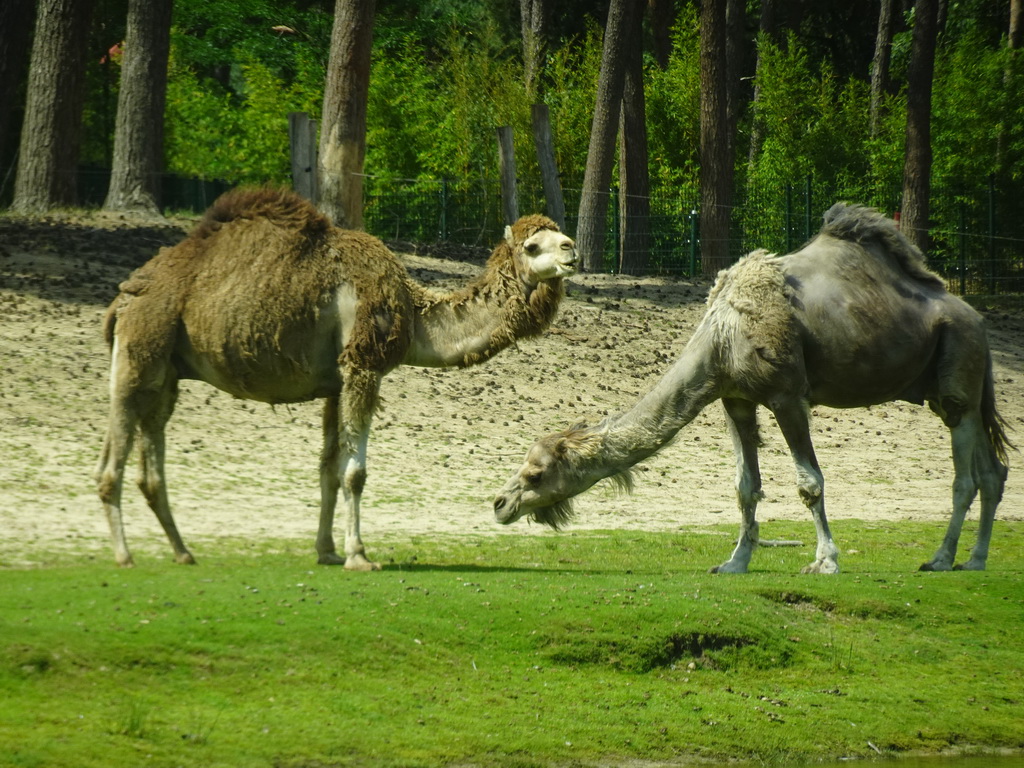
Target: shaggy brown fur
[[267, 301]]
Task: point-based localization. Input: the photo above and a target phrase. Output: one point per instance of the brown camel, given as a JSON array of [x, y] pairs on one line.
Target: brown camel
[[852, 319], [267, 301]]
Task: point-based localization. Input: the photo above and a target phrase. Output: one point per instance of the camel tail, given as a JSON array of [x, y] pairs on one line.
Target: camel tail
[[109, 321], [995, 425]]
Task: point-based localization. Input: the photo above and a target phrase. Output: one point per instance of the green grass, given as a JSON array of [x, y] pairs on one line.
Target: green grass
[[512, 651]]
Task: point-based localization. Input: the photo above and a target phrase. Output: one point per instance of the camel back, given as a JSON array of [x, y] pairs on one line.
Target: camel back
[[254, 273], [862, 225]]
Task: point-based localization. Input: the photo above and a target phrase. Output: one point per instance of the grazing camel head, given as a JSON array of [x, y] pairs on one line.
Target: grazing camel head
[[540, 250], [557, 468]]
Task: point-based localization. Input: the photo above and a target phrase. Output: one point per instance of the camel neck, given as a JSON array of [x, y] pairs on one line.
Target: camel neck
[[474, 324], [683, 392]]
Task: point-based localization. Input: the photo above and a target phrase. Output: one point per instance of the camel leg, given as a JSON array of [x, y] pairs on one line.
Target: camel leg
[[152, 480], [742, 418], [343, 466], [975, 467], [327, 553], [110, 473], [810, 483]]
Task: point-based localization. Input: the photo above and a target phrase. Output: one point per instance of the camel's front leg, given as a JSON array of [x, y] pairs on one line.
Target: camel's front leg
[[343, 466], [793, 421], [742, 418]]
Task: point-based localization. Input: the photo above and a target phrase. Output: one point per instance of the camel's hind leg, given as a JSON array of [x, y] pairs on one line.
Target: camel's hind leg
[[152, 481], [742, 418], [976, 467], [793, 421], [110, 473], [343, 467]]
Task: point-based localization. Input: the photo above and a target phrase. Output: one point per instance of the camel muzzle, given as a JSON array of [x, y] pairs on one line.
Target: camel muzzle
[[504, 511]]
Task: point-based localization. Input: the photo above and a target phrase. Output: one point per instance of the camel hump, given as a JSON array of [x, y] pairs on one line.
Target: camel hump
[[860, 224], [282, 206]]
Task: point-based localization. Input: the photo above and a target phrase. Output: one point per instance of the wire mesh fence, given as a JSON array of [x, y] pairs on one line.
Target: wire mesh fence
[[977, 231]]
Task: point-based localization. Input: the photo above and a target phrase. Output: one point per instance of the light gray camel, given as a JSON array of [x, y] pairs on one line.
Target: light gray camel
[[852, 319], [267, 301]]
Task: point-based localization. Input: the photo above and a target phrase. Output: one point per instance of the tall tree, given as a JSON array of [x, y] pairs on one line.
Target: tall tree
[[16, 23], [662, 19], [716, 170], [593, 212], [880, 64], [917, 165], [343, 129], [51, 130], [138, 135], [533, 23], [634, 173], [766, 35], [1013, 42]]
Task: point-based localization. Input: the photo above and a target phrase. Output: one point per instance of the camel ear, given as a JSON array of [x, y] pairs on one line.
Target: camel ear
[[508, 237]]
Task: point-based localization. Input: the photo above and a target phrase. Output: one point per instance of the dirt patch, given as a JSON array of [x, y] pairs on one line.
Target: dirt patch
[[445, 440]]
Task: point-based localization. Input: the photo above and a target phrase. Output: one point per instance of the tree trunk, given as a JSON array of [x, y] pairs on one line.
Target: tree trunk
[[51, 131], [735, 21], [716, 172], [590, 229], [765, 36], [138, 137], [663, 18], [918, 162], [634, 174], [343, 126], [1013, 42], [533, 22], [16, 22], [555, 203], [880, 65]]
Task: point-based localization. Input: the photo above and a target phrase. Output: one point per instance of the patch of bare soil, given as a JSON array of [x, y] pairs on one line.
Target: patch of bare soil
[[444, 442]]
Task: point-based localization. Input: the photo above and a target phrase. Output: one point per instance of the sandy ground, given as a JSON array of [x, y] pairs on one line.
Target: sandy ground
[[445, 440]]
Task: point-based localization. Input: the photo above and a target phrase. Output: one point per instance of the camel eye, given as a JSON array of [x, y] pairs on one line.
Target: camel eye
[[533, 476], [532, 248]]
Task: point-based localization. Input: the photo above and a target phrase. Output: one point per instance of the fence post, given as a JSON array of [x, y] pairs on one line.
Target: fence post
[[442, 235], [962, 261], [789, 218], [991, 234], [546, 160], [807, 208], [507, 165], [694, 220], [302, 136]]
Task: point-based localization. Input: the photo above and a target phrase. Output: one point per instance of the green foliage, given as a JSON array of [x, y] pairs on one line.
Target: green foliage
[[243, 136], [673, 107], [603, 648]]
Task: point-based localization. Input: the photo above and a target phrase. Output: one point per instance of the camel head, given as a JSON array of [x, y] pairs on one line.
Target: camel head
[[557, 468], [539, 249]]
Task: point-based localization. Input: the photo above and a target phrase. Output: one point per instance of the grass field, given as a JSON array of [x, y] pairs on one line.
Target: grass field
[[587, 649]]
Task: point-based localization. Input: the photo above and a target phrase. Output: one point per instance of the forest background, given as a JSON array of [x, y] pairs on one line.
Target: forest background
[[446, 73]]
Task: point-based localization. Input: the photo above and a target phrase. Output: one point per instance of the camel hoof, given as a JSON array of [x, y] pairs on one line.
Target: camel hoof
[[970, 565], [330, 558], [934, 566], [822, 566], [728, 567], [360, 563]]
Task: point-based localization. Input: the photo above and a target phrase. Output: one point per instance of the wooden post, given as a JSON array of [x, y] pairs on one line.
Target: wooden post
[[302, 135], [507, 164], [546, 160]]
